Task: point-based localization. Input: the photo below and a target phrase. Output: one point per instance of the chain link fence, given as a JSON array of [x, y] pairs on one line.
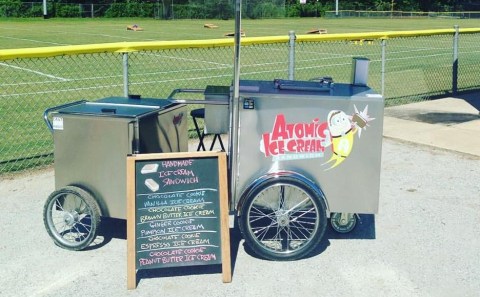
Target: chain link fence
[[403, 14], [193, 9], [404, 67]]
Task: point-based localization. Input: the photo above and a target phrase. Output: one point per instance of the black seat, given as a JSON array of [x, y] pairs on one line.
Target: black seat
[[199, 113]]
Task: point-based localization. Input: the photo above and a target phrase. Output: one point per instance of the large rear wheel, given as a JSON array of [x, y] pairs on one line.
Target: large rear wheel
[[283, 219], [72, 217]]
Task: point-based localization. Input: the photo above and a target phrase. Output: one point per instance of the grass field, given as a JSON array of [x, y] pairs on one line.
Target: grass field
[[21, 33], [29, 86]]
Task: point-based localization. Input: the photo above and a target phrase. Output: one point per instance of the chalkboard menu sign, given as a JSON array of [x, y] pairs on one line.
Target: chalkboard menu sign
[[177, 212]]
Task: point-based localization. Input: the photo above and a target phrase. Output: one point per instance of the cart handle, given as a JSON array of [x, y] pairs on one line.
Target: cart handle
[[49, 110], [193, 101], [176, 91]]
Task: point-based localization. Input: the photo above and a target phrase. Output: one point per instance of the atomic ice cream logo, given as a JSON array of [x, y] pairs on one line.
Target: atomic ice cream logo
[[304, 140]]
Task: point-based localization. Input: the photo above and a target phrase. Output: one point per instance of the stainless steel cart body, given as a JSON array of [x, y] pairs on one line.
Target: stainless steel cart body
[[331, 134], [92, 140]]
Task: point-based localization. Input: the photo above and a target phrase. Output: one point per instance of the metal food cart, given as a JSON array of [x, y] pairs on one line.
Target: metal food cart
[[306, 152], [91, 141], [300, 153]]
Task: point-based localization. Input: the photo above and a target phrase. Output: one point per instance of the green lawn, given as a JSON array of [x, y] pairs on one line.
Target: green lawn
[[415, 66], [21, 33]]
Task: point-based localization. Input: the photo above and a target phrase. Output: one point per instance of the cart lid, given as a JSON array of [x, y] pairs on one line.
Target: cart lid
[[308, 88], [117, 107], [160, 103]]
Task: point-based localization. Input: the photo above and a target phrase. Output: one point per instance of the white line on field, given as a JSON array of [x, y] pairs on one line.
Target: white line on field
[[139, 83], [64, 90], [36, 72], [33, 40], [119, 76], [114, 36], [79, 33], [186, 59], [416, 57]]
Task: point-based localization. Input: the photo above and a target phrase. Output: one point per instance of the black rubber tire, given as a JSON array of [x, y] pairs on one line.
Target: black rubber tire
[[283, 229], [72, 217]]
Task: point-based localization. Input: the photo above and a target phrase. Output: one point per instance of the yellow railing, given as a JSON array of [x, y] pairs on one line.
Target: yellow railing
[[126, 47], [405, 66]]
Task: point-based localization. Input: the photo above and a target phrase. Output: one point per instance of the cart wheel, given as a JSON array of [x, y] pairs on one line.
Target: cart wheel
[[343, 222], [71, 216], [283, 219]]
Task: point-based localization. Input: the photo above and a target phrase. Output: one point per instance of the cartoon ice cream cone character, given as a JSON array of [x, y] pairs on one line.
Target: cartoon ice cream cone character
[[342, 129], [341, 132]]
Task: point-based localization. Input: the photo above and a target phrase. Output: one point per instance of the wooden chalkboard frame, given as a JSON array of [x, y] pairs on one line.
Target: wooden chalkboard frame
[[131, 208]]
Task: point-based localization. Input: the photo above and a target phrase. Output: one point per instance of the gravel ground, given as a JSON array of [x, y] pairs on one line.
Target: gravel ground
[[425, 241]]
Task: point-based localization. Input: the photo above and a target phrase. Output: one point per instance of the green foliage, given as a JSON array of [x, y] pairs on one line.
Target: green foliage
[[11, 8], [399, 5], [310, 9], [33, 11], [68, 11], [218, 9], [267, 10], [132, 8], [181, 12], [292, 11]]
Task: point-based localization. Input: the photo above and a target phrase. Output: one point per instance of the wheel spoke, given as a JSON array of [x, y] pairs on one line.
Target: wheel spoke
[[298, 204], [304, 213], [63, 227], [78, 233], [257, 229], [262, 232], [258, 214], [60, 206], [87, 227], [300, 230]]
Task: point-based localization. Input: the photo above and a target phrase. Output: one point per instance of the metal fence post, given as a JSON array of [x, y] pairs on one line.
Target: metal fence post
[[291, 57], [384, 58], [125, 75], [455, 61]]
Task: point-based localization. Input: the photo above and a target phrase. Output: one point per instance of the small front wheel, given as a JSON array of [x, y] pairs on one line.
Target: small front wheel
[[343, 222], [72, 217], [283, 219]]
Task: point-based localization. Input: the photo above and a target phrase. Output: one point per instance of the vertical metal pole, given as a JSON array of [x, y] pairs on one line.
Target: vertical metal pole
[[455, 61], [336, 8], [384, 58], [136, 137], [125, 75], [291, 58], [45, 14], [234, 102]]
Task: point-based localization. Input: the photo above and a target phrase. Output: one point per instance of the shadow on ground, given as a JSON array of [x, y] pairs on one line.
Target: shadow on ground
[[443, 118]]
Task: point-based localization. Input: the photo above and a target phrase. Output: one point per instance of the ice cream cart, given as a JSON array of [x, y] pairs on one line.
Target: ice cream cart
[[307, 151], [300, 153]]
